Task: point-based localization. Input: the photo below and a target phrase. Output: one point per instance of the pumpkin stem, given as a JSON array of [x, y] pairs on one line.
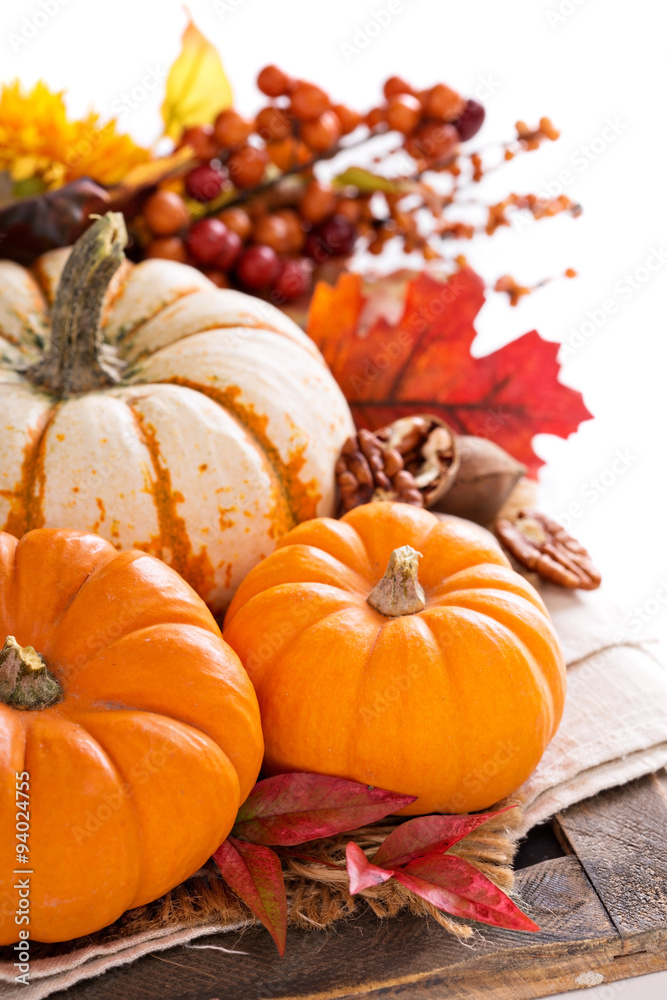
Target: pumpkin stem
[[75, 361], [399, 592], [25, 682]]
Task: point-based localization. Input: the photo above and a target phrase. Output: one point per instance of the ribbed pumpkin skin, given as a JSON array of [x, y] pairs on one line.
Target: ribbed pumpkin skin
[[454, 704], [136, 776], [222, 435]]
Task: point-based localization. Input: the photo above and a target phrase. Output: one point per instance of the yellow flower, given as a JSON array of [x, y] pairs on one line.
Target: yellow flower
[[37, 140]]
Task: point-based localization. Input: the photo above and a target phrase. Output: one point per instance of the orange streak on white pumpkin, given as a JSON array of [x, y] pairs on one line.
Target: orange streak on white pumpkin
[[27, 506], [295, 501], [196, 569]]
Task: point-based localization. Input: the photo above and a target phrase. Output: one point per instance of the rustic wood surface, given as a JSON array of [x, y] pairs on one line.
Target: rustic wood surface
[[595, 882]]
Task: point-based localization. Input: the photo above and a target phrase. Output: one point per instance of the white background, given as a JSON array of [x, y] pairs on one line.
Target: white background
[[582, 62]]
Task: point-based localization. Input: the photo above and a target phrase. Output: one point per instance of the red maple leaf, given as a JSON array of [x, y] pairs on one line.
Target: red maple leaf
[[422, 364]]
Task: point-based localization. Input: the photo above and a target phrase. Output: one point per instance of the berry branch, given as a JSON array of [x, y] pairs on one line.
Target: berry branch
[[253, 212]]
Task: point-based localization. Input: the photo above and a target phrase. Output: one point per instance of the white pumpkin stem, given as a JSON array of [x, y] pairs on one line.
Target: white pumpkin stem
[[25, 681], [75, 359], [399, 592]]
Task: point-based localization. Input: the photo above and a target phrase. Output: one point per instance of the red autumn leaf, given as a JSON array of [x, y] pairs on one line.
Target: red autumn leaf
[[293, 808], [426, 834], [255, 874], [422, 364], [457, 887], [363, 874]]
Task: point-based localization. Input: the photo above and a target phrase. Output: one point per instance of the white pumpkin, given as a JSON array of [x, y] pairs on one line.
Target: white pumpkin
[[165, 414]]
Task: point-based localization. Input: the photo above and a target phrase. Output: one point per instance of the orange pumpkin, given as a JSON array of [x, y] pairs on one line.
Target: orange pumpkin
[[446, 682], [127, 741]]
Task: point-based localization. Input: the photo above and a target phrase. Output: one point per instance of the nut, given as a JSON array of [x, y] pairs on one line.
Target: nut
[[367, 470], [543, 545], [429, 451], [486, 477]]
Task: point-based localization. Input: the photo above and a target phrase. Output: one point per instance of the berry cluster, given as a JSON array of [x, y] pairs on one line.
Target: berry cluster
[[251, 212], [433, 122]]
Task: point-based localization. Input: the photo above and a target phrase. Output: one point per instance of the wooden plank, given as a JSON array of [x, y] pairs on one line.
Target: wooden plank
[[405, 957], [620, 837]]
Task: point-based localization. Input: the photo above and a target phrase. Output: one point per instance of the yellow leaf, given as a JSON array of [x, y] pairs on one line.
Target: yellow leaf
[[197, 86]]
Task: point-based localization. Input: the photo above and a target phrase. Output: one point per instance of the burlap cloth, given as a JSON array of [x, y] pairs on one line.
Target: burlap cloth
[[614, 729]]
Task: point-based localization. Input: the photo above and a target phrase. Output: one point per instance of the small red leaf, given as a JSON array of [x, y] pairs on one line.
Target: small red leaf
[[361, 872], [255, 874], [457, 887], [293, 808], [426, 834]]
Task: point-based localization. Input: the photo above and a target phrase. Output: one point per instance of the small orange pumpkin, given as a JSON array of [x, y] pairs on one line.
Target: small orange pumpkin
[[127, 742], [446, 682]]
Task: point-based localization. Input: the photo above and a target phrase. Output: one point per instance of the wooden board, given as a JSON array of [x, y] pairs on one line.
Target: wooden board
[[596, 883]]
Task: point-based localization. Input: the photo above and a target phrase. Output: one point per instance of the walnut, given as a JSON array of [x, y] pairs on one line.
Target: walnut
[[429, 450], [368, 470], [543, 545]]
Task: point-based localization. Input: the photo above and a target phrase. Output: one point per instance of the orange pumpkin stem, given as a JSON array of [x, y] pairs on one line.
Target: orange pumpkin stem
[[77, 359], [25, 682], [399, 592]]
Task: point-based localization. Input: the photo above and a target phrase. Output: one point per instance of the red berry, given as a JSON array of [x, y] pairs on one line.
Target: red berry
[[258, 267], [318, 202], [165, 213], [308, 101], [293, 280], [273, 82], [206, 239], [348, 118], [168, 248], [321, 133], [376, 117], [470, 121], [273, 124], [443, 103], [217, 277], [238, 220], [201, 139], [403, 113], [205, 182], [432, 141], [230, 252], [231, 128], [396, 85], [334, 238], [246, 166]]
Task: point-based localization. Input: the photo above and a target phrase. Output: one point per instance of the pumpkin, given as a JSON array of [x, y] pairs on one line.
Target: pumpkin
[[148, 406], [129, 732], [442, 678]]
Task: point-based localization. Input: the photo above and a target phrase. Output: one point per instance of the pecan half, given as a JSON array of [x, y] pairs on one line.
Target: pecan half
[[543, 545], [368, 470], [429, 450]]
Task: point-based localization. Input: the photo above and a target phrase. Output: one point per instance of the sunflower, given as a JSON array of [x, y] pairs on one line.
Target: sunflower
[[41, 148]]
